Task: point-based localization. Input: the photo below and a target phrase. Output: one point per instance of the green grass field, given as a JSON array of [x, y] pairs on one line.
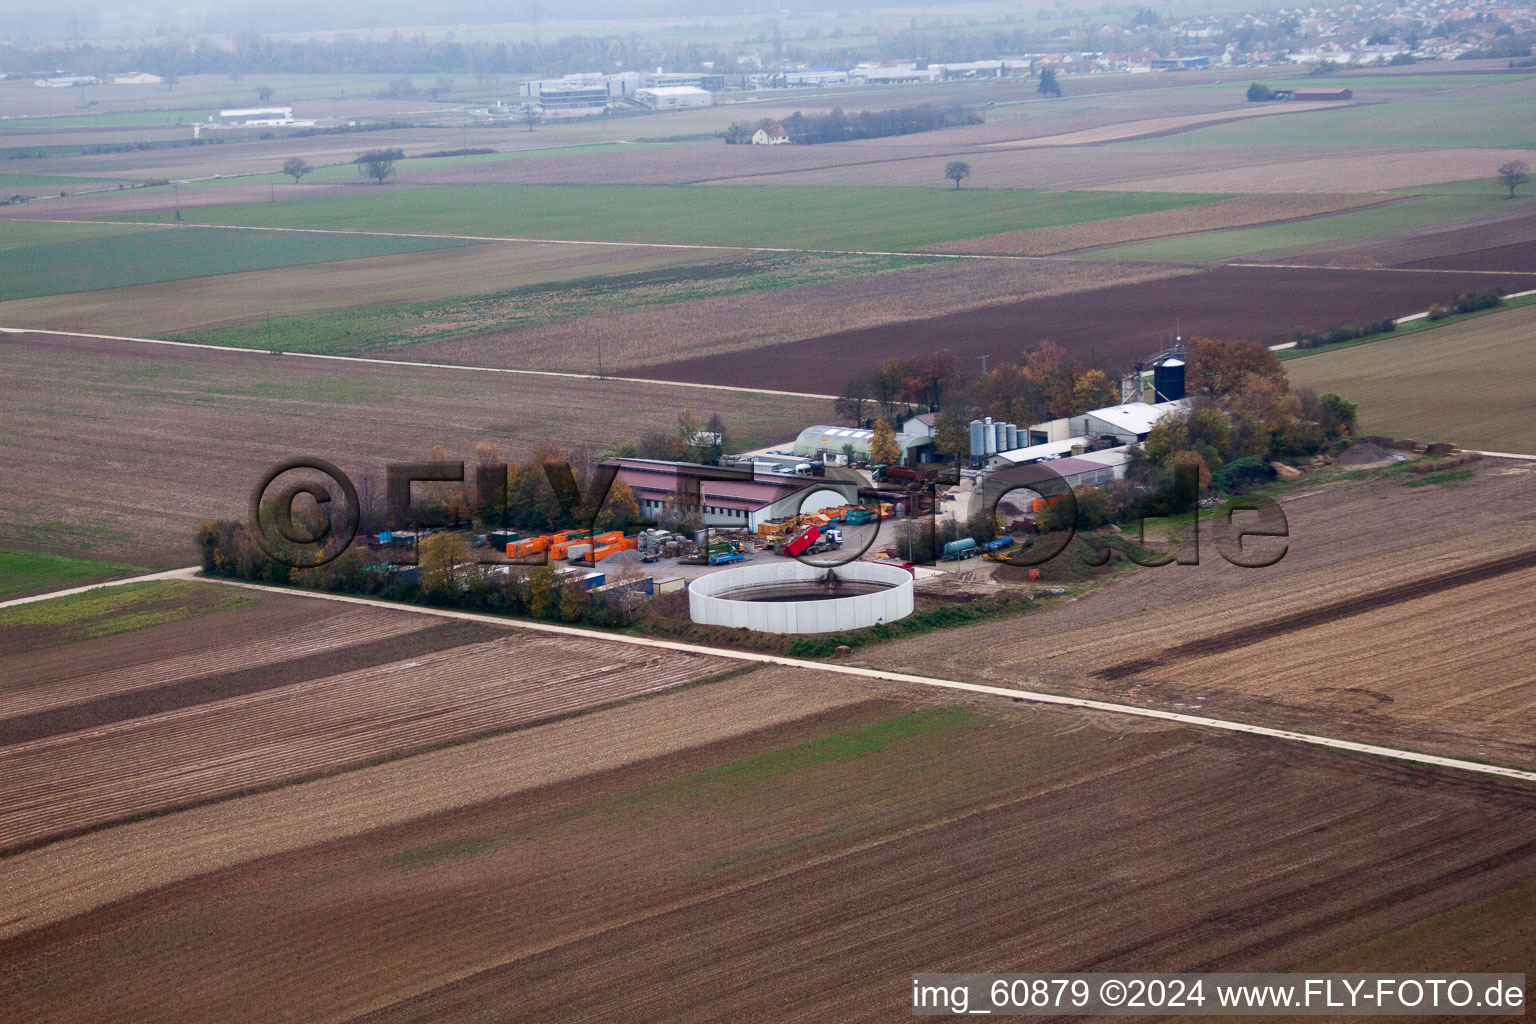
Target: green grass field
[[793, 216], [114, 119], [1453, 119], [24, 234], [136, 257], [1418, 212], [113, 610], [22, 180], [370, 328], [26, 572]]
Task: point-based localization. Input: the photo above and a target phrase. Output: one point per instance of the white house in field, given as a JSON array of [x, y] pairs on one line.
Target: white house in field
[[773, 136], [137, 78]]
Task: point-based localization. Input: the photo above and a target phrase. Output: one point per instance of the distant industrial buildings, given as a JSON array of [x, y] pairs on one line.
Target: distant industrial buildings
[[588, 93], [674, 97], [254, 116]]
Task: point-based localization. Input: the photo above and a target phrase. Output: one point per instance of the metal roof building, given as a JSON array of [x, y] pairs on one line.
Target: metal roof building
[[813, 441], [1035, 453], [1128, 423], [731, 503]]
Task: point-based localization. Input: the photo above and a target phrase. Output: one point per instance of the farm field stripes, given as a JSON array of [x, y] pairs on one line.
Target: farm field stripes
[[238, 682], [952, 684], [1417, 213], [71, 783], [1469, 382], [854, 218], [864, 912], [143, 257], [51, 676], [1331, 612], [74, 876], [1160, 126], [1243, 211], [1115, 323], [423, 365]]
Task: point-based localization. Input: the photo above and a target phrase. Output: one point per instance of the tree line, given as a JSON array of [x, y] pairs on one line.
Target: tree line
[[255, 54], [837, 126]]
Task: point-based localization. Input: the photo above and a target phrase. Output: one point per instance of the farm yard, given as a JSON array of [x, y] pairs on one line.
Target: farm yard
[[338, 808]]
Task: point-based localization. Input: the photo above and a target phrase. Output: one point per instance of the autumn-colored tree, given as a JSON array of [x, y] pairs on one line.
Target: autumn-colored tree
[[1005, 394], [440, 557], [442, 501], [1051, 373], [1219, 368], [951, 435], [490, 482], [1093, 390], [883, 447], [926, 379], [543, 591], [574, 603], [886, 387], [1189, 459], [853, 404], [1167, 436], [688, 426], [620, 509]]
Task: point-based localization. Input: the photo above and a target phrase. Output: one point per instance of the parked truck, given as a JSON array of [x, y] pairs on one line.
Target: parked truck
[[955, 550], [800, 542]]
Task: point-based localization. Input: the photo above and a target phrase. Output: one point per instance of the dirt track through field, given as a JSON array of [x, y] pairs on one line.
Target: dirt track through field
[[1013, 693], [1358, 605], [204, 689]]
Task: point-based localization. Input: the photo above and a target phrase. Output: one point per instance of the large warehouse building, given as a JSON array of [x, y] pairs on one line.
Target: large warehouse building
[[824, 443], [674, 97], [730, 503]]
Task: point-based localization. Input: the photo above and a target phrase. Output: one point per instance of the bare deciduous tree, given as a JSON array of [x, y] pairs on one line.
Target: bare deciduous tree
[[1514, 174]]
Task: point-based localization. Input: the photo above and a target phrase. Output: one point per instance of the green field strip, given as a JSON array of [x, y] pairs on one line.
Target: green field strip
[[25, 572], [1452, 120], [22, 234], [369, 328], [789, 216], [146, 257], [1419, 212]]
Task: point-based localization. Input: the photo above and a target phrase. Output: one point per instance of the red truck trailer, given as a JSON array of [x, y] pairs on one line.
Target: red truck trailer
[[797, 544]]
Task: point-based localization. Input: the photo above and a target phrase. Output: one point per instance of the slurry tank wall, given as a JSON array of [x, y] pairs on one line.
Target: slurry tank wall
[[724, 598]]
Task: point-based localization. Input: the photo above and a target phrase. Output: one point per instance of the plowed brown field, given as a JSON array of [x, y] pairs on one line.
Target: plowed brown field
[[138, 444], [1399, 615], [1117, 324], [799, 872], [76, 781]]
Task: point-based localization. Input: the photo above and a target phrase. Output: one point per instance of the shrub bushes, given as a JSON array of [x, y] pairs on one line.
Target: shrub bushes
[[1317, 339]]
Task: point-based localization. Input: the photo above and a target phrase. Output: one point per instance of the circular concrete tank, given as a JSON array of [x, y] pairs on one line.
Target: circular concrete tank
[[792, 597]]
